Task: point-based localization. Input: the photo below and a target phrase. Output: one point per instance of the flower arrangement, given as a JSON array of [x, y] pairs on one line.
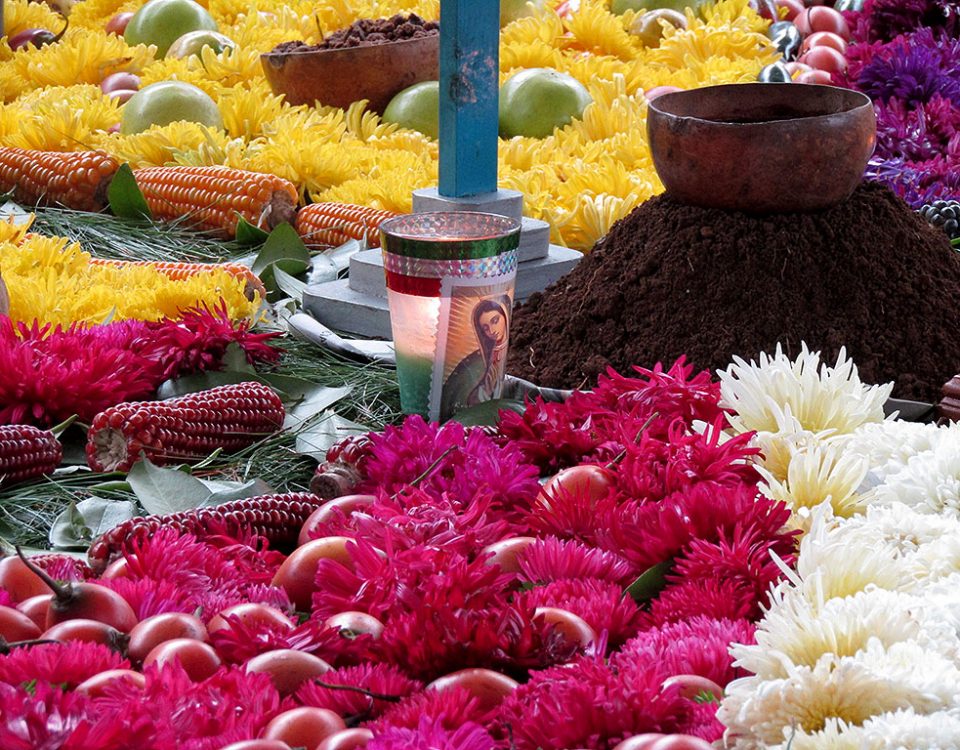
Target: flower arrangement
[[581, 180]]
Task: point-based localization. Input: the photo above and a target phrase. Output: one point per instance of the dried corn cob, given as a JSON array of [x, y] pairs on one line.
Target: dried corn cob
[[949, 406], [214, 198], [277, 518], [75, 179], [343, 470], [27, 452], [230, 417], [181, 271], [332, 224]]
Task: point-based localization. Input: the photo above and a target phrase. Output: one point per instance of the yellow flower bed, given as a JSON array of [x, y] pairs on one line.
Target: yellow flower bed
[[581, 180], [51, 280]]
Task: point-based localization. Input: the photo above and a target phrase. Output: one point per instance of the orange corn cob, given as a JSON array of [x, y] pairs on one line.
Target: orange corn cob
[[181, 271], [74, 179], [332, 224], [214, 198]]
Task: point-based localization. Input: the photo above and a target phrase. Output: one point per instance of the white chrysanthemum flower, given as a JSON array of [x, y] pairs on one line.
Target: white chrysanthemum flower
[[817, 475], [777, 448], [819, 397], [851, 689], [906, 730], [835, 735], [901, 526], [797, 632], [891, 444], [929, 482]]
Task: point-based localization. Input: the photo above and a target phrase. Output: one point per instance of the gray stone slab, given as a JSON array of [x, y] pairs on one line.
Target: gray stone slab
[[534, 240], [341, 308], [366, 271], [502, 202]]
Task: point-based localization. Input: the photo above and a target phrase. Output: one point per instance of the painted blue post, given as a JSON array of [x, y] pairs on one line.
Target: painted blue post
[[469, 96]]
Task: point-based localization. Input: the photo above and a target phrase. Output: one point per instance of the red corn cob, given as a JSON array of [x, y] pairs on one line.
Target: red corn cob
[[27, 452], [229, 417], [343, 470], [332, 224], [276, 518]]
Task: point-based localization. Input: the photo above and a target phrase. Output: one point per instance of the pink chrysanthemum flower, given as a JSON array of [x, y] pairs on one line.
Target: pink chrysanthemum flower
[[450, 708], [58, 663], [382, 679], [591, 704], [6, 600], [552, 560], [243, 640], [148, 597], [600, 603], [716, 598], [431, 735], [42, 718], [698, 646], [703, 722], [63, 567]]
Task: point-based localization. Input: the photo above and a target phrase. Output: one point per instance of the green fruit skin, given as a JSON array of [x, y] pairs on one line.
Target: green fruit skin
[[417, 108], [169, 101], [619, 7], [193, 42], [513, 10], [536, 101], [162, 22]]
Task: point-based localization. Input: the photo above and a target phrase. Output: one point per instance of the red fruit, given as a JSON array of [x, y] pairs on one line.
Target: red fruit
[[348, 739], [119, 568], [288, 669], [819, 77], [825, 58], [16, 626], [89, 631], [258, 745], [798, 67], [84, 601], [198, 659], [504, 553], [19, 581], [304, 727], [824, 39], [119, 82], [297, 575], [122, 95], [639, 742], [31, 38], [251, 615], [573, 627], [656, 91], [36, 609], [95, 686], [118, 23], [794, 8], [325, 513], [693, 686], [352, 624], [489, 687], [822, 19], [150, 633], [588, 482], [680, 742]]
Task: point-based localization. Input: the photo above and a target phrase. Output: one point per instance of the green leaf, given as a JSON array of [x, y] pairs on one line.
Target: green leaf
[[59, 429], [248, 234], [83, 522], [283, 249], [487, 413], [166, 490], [317, 439], [203, 381], [125, 197], [288, 284], [311, 403], [650, 583], [225, 492], [235, 358]]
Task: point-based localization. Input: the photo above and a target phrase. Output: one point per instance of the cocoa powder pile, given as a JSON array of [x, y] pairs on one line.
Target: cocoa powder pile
[[368, 32], [672, 279]]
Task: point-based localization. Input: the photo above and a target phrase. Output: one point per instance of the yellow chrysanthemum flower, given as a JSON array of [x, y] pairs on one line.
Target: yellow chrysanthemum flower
[[594, 29], [20, 15], [174, 69], [247, 112], [158, 145], [58, 119]]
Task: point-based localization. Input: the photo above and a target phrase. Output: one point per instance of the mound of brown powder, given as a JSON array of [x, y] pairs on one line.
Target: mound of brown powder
[[672, 279]]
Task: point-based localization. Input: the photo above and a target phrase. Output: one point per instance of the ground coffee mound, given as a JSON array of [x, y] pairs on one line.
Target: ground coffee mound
[[672, 279], [368, 32]]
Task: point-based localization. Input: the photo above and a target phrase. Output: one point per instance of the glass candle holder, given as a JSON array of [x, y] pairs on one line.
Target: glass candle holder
[[450, 283]]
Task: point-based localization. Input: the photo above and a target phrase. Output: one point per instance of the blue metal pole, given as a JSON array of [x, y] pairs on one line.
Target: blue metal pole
[[469, 96]]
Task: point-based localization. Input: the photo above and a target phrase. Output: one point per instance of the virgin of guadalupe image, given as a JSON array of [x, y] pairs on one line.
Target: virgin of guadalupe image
[[478, 377]]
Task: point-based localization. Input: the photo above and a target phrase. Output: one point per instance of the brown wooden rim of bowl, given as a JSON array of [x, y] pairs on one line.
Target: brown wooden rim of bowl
[[865, 102], [304, 53]]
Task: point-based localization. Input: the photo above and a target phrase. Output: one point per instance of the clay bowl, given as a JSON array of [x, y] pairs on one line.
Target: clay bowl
[[762, 147], [339, 77]]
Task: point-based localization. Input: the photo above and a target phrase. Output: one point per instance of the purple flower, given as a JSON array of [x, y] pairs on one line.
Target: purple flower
[[913, 69]]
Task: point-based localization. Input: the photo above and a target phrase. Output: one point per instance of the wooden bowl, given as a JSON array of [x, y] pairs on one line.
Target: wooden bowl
[[762, 147], [340, 77]]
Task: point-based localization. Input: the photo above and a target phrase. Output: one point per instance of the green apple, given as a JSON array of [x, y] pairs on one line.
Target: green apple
[[162, 22], [417, 108], [193, 42], [622, 6], [169, 101], [650, 29], [513, 10], [534, 102]]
